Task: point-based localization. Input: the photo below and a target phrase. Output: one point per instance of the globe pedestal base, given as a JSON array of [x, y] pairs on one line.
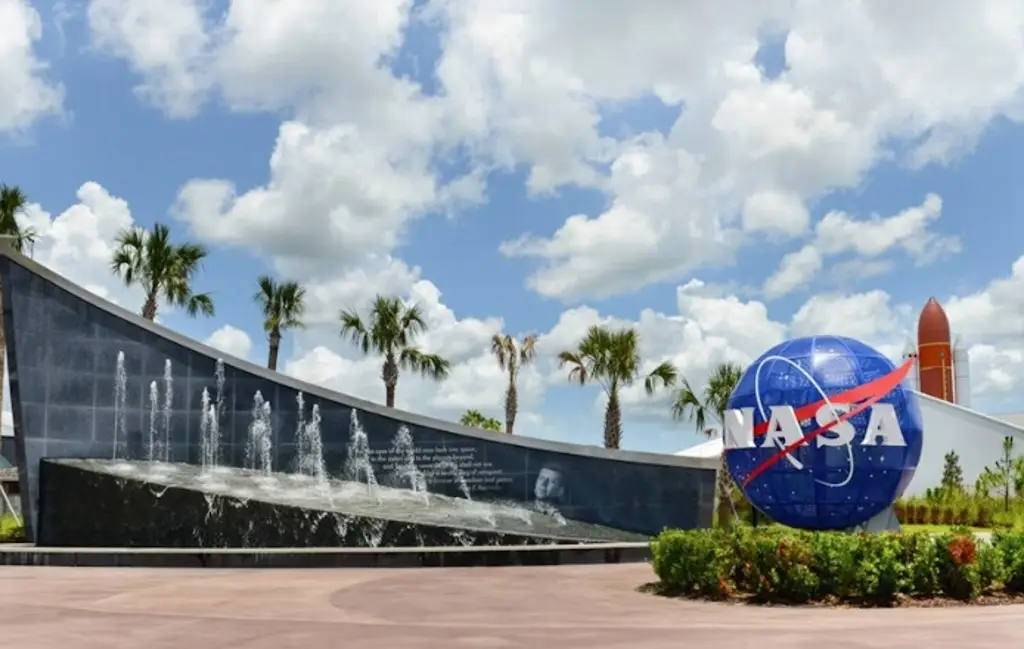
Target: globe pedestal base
[[885, 521]]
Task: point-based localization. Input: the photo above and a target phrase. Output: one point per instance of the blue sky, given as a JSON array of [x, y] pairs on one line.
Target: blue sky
[[144, 151]]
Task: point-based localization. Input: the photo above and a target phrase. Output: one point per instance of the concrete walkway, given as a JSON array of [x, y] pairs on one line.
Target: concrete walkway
[[564, 607]]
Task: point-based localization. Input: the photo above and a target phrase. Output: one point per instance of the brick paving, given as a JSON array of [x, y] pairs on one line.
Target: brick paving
[[563, 607]]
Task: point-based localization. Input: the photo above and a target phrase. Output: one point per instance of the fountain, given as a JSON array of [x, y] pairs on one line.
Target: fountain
[[311, 449], [152, 452], [259, 443], [405, 470], [120, 404], [166, 414], [209, 432], [357, 464], [352, 509]]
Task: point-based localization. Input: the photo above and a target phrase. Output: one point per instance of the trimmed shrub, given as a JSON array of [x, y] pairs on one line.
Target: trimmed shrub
[[883, 574], [1011, 548], [957, 563], [777, 564], [921, 557], [694, 562]]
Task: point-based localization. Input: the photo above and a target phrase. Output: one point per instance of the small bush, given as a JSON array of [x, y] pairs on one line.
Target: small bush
[[883, 574], [957, 563], [11, 530], [920, 555], [693, 562], [778, 564], [836, 562], [1011, 548]]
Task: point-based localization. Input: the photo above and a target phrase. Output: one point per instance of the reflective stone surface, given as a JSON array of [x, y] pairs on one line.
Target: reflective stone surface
[[63, 346], [178, 505]]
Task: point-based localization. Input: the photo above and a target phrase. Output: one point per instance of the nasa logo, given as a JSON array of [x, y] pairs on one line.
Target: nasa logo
[[836, 411]]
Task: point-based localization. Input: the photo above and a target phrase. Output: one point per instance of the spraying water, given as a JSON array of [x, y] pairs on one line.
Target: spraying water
[[218, 374], [447, 466], [357, 464], [166, 414], [407, 473], [259, 444], [208, 431], [311, 449], [120, 403], [153, 442]]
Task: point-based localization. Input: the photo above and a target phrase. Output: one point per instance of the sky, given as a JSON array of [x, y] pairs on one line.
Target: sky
[[720, 176]]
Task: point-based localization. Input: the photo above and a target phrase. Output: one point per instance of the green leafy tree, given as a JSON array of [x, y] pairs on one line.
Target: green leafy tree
[[706, 410], [1005, 476], [612, 360], [476, 419], [512, 355], [282, 305], [952, 475], [391, 331], [12, 205], [163, 269]]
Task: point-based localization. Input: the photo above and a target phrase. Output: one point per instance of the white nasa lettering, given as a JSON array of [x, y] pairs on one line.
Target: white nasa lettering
[[739, 428], [840, 434], [784, 429], [885, 425]]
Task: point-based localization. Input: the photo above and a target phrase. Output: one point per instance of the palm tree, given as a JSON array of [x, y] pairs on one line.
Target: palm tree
[[12, 203], [476, 419], [612, 359], [391, 331], [163, 269], [282, 305], [707, 407], [512, 356]]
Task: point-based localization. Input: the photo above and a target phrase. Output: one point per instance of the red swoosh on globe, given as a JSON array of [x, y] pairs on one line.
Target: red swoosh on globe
[[871, 393]]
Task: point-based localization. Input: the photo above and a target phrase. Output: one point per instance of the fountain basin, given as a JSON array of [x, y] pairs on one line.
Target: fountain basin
[[180, 505]]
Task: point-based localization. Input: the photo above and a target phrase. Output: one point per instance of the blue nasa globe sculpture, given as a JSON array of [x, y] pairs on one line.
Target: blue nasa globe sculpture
[[824, 483]]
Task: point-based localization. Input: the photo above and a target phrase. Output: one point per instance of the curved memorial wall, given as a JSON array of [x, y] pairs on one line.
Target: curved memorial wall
[[64, 345]]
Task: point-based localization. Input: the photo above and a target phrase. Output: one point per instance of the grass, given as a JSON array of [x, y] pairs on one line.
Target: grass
[[11, 531], [939, 529]]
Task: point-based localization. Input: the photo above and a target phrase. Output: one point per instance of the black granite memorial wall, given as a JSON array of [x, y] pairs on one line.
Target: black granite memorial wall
[[63, 346]]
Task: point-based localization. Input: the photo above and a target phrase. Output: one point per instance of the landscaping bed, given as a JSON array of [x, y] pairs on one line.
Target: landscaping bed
[[776, 565]]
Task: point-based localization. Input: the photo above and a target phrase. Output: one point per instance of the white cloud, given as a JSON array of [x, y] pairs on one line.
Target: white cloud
[[25, 92], [231, 340], [523, 84], [79, 242], [837, 234], [996, 312], [164, 42], [775, 213], [475, 381]]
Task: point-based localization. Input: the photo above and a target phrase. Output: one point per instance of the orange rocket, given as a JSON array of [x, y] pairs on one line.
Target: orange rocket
[[935, 353]]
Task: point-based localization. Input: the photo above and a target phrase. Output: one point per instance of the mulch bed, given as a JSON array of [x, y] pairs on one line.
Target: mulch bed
[[902, 601]]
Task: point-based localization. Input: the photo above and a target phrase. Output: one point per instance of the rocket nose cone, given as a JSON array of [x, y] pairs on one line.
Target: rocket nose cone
[[933, 325]]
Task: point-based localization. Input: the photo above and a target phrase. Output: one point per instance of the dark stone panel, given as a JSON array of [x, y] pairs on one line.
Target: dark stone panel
[[63, 353], [139, 513]]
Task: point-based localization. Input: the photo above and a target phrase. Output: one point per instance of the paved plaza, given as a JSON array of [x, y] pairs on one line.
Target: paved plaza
[[562, 607]]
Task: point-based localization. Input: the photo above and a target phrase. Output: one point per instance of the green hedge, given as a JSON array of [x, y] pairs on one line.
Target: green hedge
[[779, 564]]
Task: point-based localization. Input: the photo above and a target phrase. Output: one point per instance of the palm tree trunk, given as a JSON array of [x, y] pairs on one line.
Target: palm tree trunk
[[511, 404], [724, 488], [275, 346], [389, 373], [613, 419], [149, 308]]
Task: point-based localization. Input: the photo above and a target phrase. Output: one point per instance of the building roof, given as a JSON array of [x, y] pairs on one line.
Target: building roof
[[710, 448]]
